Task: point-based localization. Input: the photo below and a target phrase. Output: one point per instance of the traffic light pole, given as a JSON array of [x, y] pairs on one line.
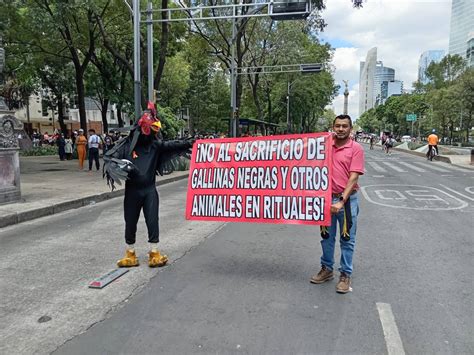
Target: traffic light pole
[[149, 46], [234, 119], [136, 59]]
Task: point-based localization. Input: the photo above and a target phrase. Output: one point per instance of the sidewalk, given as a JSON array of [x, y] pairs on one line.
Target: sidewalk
[[50, 186]]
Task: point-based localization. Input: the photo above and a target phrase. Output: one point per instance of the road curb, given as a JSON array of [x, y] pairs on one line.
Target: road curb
[[29, 215], [442, 158]]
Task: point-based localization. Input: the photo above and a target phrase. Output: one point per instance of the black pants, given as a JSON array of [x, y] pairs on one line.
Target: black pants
[[137, 198], [62, 153], [94, 155]]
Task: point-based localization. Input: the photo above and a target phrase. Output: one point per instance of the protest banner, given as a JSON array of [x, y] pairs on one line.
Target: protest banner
[[274, 179]]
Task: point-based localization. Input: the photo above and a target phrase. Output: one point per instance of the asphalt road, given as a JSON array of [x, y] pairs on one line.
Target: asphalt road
[[245, 288]]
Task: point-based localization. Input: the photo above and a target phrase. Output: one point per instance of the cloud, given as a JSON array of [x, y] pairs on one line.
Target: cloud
[[401, 30]]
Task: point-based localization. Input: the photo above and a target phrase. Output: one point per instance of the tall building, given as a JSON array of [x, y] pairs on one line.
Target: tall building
[[366, 81], [426, 58], [390, 88], [381, 74], [470, 50], [462, 23]]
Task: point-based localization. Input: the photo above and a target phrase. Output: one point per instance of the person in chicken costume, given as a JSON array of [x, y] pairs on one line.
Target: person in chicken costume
[[137, 159]]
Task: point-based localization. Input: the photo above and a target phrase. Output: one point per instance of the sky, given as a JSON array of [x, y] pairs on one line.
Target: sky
[[400, 29]]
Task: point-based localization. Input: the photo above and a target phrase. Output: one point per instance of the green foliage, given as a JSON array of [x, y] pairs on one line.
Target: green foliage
[[170, 124], [84, 48], [39, 151]]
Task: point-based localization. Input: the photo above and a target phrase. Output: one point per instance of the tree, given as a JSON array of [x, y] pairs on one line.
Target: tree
[[444, 73], [464, 92]]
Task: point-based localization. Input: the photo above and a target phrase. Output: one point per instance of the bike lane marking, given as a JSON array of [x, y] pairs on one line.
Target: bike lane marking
[[390, 329], [413, 197], [467, 189]]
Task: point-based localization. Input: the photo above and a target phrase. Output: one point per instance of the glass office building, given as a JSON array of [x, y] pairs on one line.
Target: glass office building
[[381, 74], [426, 58], [366, 81], [462, 24], [470, 51]]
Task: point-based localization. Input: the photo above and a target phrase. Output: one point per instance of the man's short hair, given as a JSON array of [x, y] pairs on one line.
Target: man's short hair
[[92, 130], [343, 117]]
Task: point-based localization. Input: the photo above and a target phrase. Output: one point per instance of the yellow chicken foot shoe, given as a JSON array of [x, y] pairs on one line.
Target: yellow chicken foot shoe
[[129, 260], [156, 259]]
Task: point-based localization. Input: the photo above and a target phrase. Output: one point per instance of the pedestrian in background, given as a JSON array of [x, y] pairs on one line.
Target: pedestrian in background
[[348, 164], [108, 143], [61, 143], [93, 142], [68, 147], [81, 143]]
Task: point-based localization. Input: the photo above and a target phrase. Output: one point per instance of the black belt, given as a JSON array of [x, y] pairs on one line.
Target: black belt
[[340, 194]]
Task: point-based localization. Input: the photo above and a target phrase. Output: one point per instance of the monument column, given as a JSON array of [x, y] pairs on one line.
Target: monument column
[[346, 97], [9, 148]]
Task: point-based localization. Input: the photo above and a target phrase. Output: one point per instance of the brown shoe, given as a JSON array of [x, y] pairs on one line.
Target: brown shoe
[[129, 260], [156, 259], [344, 284], [323, 275]]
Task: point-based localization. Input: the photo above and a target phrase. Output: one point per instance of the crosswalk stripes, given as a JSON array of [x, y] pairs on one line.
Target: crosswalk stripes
[[433, 167], [385, 167], [411, 166], [377, 167], [394, 167]]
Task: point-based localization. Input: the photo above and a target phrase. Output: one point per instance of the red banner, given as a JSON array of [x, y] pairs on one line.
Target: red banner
[[274, 179]]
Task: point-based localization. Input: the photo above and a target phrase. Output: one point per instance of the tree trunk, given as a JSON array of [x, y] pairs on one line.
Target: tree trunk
[[269, 104], [103, 110], [258, 106], [119, 114], [62, 125], [81, 96]]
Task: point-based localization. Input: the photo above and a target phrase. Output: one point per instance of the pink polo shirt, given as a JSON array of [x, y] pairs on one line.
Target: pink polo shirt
[[346, 159]]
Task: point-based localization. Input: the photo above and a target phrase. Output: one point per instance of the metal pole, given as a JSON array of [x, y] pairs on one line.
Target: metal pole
[[288, 124], [149, 49], [136, 59], [233, 83]]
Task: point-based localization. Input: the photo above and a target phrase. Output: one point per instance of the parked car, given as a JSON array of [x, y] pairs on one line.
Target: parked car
[[405, 139]]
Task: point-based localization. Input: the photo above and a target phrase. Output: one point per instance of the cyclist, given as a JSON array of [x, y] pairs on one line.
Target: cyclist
[[432, 143], [389, 144]]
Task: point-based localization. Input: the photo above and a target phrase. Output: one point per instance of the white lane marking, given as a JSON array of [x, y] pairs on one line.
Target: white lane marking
[[453, 167], [394, 167], [433, 167], [378, 176], [367, 197], [458, 193], [390, 330], [413, 167], [377, 167]]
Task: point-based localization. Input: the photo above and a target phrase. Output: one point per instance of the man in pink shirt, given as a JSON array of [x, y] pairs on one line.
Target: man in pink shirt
[[347, 165]]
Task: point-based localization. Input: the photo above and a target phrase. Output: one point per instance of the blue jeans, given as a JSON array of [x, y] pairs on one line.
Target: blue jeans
[[347, 247]]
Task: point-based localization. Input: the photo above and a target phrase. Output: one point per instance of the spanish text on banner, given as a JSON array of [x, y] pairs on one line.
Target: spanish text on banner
[[274, 179]]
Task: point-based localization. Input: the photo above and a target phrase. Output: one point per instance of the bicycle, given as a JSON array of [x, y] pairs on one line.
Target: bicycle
[[431, 154]]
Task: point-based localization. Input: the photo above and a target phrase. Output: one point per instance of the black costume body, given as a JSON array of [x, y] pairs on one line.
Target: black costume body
[[148, 156]]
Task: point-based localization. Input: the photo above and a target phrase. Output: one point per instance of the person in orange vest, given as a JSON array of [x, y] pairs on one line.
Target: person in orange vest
[[81, 142], [432, 143]]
